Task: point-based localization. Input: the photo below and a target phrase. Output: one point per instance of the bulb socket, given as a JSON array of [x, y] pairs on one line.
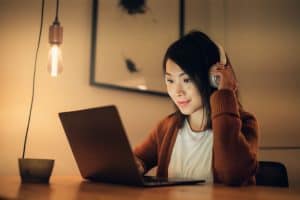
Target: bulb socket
[[55, 34]]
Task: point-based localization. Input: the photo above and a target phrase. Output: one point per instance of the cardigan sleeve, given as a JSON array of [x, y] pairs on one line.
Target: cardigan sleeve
[[146, 152], [235, 139]]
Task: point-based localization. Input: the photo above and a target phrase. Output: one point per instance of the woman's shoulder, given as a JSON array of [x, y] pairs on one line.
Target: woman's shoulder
[[171, 119], [168, 123]]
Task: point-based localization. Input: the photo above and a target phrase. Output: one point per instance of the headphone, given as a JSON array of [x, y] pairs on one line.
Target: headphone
[[215, 80]]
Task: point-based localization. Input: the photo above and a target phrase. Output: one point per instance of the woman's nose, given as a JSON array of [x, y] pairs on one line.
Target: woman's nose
[[179, 90]]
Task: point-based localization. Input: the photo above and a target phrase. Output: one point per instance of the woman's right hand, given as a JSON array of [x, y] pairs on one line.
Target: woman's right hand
[[139, 165]]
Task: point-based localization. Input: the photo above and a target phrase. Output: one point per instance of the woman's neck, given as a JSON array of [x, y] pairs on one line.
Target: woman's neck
[[197, 120]]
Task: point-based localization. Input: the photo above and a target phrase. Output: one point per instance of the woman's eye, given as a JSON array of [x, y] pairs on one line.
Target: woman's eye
[[187, 80], [169, 81]]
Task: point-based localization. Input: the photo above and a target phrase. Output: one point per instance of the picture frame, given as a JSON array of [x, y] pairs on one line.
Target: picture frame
[[128, 43]]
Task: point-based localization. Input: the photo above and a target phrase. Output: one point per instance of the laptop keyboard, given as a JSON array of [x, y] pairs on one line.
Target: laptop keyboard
[[160, 181], [154, 179]]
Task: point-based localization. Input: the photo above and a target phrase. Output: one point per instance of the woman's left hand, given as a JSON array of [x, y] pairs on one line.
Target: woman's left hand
[[226, 76]]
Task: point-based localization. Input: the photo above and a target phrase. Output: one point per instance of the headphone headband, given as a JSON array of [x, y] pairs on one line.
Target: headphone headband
[[222, 54]]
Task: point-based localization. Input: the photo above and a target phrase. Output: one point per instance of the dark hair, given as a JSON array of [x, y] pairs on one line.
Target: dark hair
[[195, 53]]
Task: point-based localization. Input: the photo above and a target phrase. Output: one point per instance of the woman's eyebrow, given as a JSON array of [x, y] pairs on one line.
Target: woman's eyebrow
[[181, 74]]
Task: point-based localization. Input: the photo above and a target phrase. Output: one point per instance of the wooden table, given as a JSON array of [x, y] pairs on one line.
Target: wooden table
[[73, 187]]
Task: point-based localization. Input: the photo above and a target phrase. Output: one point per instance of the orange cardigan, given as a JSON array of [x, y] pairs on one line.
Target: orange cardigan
[[235, 142]]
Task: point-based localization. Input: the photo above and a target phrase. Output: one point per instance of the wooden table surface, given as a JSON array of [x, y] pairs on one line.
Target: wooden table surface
[[73, 187]]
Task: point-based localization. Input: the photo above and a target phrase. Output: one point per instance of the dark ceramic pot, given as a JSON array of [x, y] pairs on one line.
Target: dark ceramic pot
[[35, 170]]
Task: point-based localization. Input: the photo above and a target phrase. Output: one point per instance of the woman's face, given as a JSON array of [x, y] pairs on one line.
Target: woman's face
[[182, 89]]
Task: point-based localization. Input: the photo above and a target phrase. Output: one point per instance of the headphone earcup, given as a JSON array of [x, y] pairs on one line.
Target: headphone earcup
[[214, 80]]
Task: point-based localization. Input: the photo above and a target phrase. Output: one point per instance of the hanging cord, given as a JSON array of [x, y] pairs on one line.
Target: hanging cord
[[56, 16], [34, 77]]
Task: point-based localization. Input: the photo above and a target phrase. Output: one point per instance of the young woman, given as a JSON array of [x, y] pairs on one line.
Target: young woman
[[210, 136]]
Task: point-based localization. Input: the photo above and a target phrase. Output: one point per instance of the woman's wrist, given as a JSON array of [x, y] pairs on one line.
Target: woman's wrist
[[224, 101]]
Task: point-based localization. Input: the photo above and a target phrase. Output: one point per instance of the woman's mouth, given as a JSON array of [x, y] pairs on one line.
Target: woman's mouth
[[183, 103]]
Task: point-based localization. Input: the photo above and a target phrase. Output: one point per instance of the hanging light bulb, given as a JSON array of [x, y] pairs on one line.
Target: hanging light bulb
[[55, 66]]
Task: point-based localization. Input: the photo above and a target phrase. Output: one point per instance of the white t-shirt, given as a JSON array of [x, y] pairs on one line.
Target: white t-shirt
[[192, 154]]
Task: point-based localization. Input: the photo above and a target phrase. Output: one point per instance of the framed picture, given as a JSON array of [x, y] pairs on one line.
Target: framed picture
[[129, 40]]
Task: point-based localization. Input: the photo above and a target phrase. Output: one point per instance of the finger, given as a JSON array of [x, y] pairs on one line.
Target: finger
[[217, 67], [218, 64], [228, 66], [228, 63], [221, 67], [214, 66], [214, 70]]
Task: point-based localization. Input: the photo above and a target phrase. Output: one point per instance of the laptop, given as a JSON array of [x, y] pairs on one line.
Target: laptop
[[102, 150]]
